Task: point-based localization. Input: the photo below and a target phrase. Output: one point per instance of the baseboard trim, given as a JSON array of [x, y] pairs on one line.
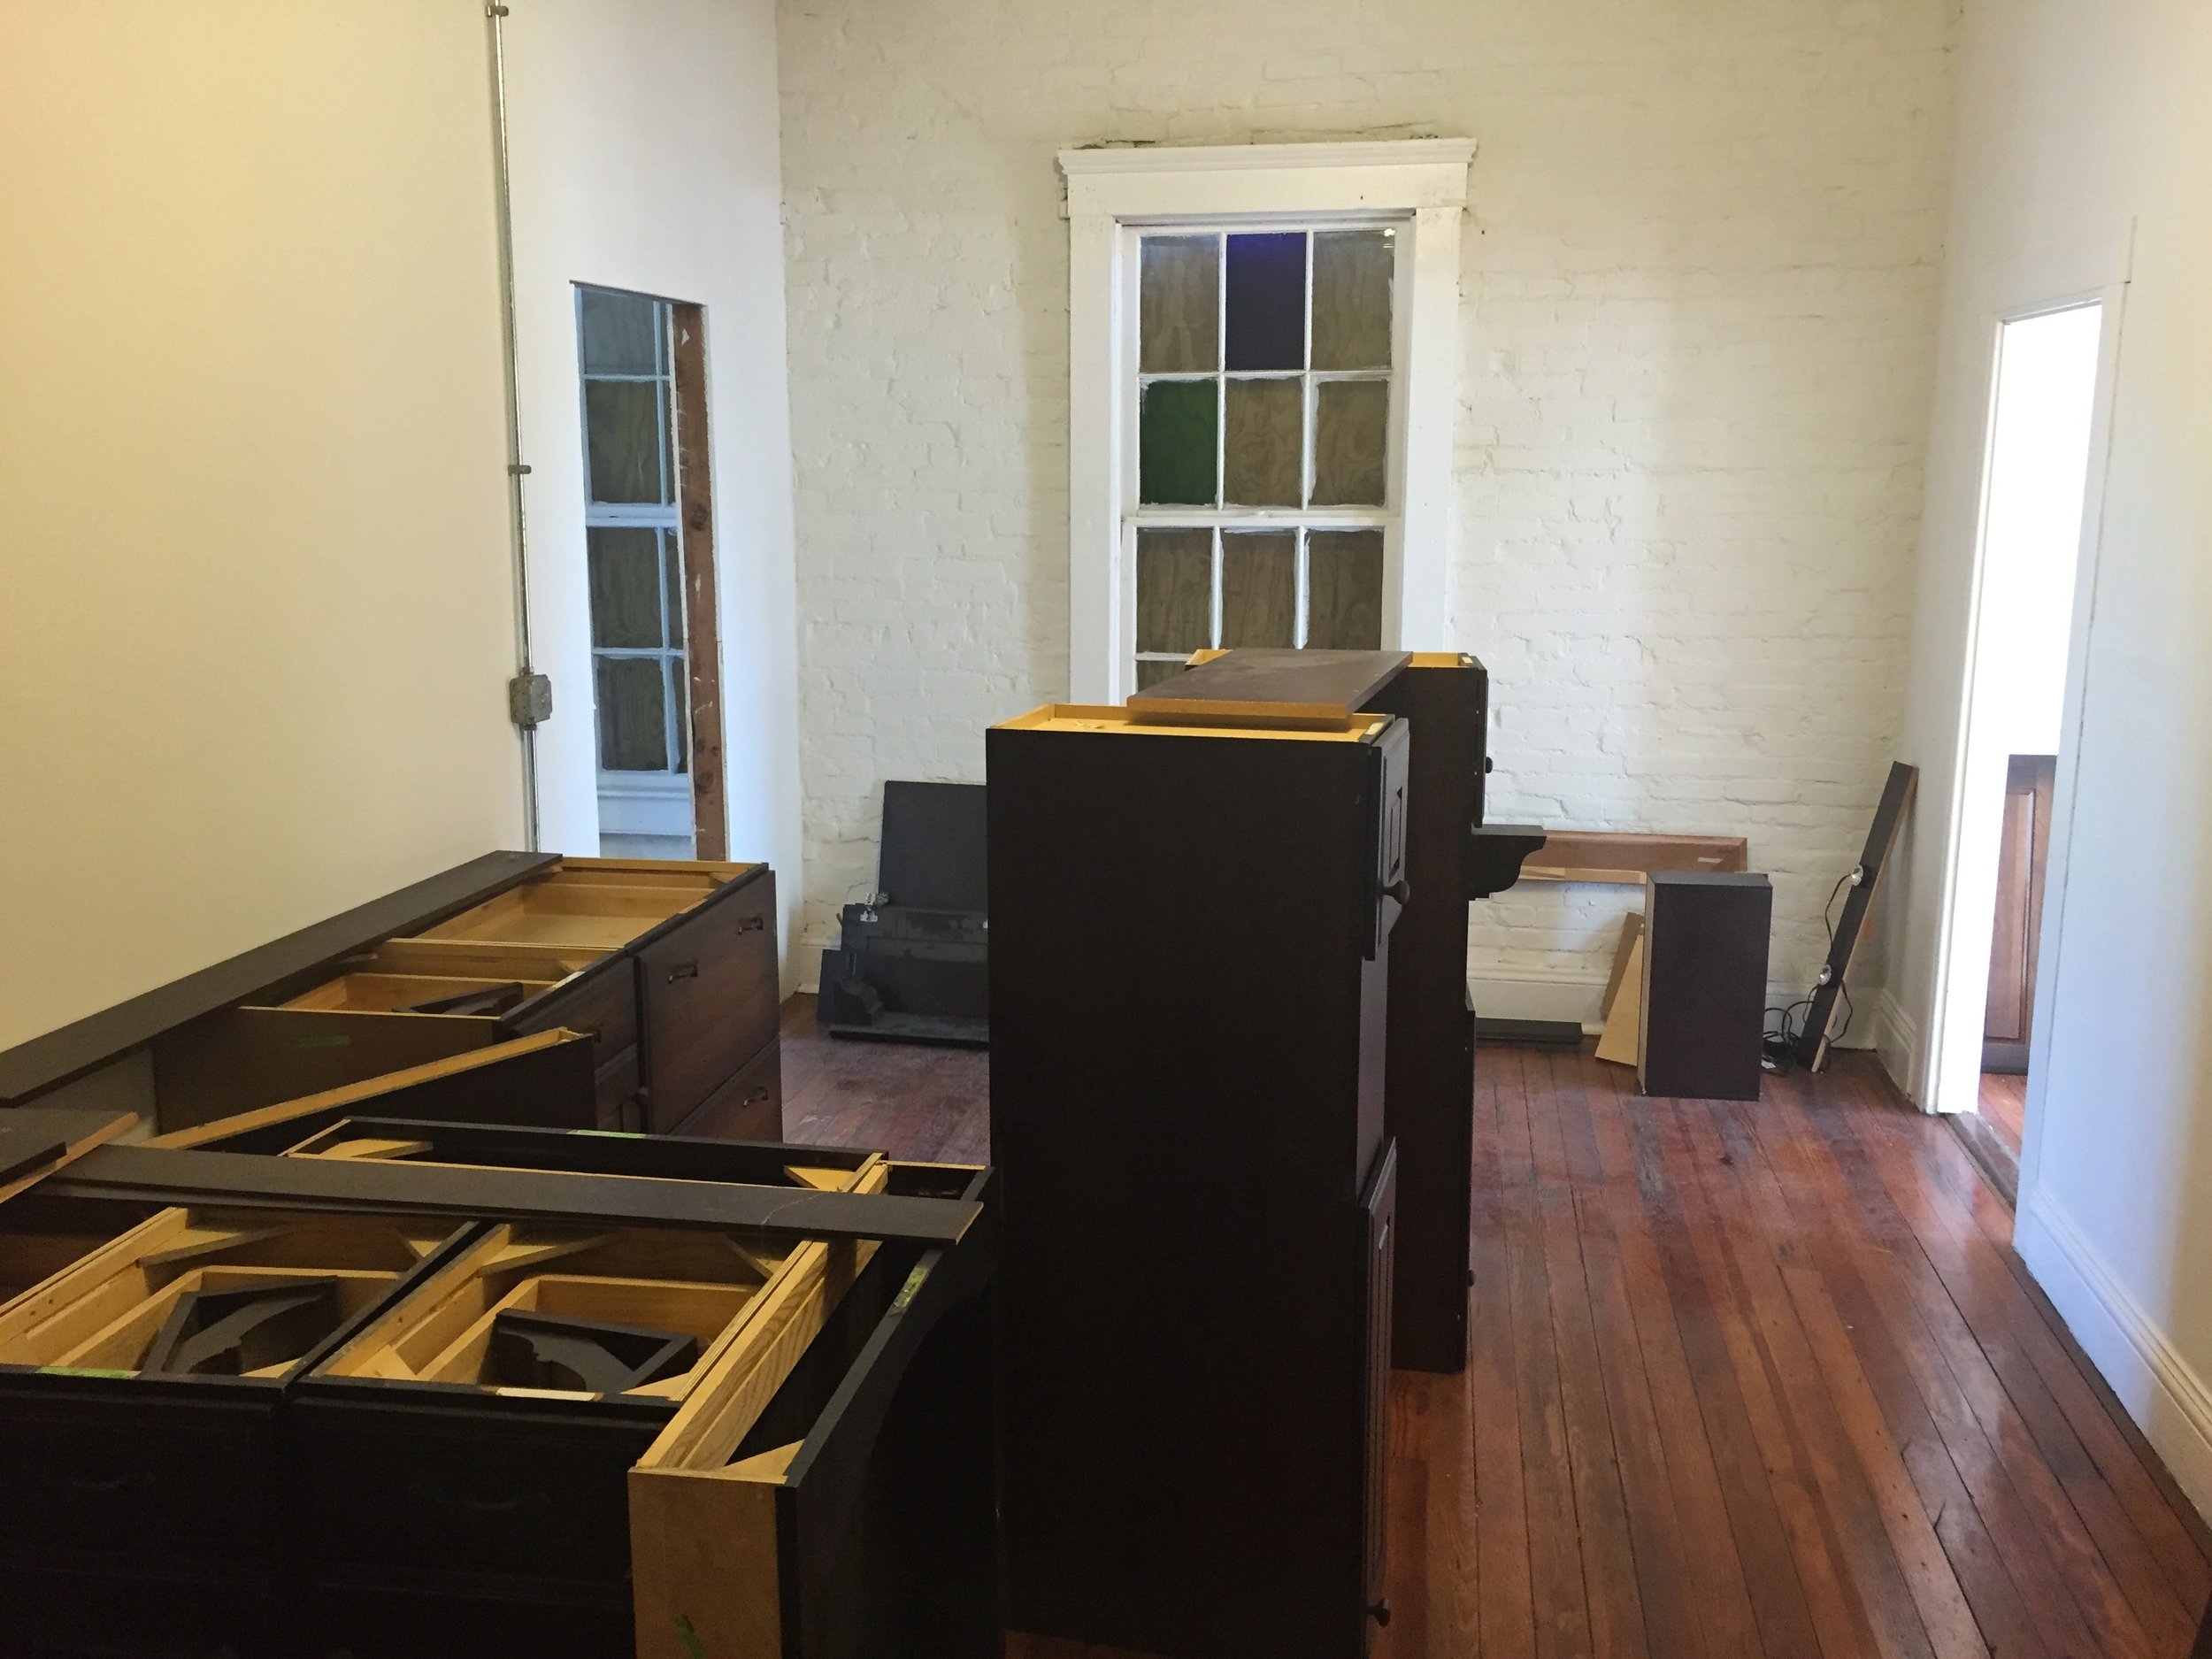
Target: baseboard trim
[[2168, 1400], [1577, 1000], [1897, 1043], [807, 967]]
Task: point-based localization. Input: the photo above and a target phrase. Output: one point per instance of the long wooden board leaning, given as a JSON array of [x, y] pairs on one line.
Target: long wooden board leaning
[[1881, 840]]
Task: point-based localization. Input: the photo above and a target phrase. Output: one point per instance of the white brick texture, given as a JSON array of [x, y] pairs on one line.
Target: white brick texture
[[1700, 291]]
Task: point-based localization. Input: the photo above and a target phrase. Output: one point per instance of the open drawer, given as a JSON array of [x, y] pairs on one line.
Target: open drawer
[[459, 1464], [829, 1493], [140, 1393], [600, 904]]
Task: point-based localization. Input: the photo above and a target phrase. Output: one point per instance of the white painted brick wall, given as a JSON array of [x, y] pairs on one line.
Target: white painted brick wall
[[1700, 291]]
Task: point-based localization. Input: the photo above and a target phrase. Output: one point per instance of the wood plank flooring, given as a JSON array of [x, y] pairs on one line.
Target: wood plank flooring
[[1747, 1378], [2004, 1102]]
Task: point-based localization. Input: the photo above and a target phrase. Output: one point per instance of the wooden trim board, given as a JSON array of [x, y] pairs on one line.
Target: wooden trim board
[[486, 1192], [1622, 858], [702, 652], [1881, 841]]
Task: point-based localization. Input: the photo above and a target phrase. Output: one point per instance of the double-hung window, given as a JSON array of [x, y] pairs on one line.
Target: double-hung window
[[632, 542], [1263, 366], [1262, 444]]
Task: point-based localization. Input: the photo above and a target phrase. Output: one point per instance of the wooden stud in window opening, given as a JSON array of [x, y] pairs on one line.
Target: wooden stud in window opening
[[702, 654]]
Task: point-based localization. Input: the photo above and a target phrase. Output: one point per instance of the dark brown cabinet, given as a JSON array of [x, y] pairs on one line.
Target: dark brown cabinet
[[1190, 931], [663, 973], [1450, 857], [811, 1476]]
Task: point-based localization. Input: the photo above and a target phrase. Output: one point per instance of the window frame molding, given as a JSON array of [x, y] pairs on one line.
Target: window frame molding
[[1421, 184]]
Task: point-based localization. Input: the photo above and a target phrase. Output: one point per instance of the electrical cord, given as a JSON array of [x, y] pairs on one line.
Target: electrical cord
[[1781, 1037]]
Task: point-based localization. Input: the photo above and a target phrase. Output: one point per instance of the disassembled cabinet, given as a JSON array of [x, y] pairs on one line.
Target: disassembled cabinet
[[662, 974], [806, 1470]]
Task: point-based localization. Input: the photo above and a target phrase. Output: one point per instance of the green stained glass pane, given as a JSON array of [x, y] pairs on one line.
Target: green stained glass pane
[[1175, 444], [1259, 589], [1175, 591], [622, 436], [1262, 443], [1351, 439], [618, 334], [1179, 330], [1344, 583], [1150, 672], [633, 714], [1351, 299], [626, 598]]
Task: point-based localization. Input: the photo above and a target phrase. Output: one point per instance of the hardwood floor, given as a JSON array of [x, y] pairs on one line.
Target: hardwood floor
[[2004, 1102], [1747, 1378]]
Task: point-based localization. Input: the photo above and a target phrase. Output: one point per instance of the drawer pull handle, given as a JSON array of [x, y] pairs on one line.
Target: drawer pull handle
[[96, 1486], [752, 925], [475, 1503], [757, 1095], [683, 970], [1380, 1611]]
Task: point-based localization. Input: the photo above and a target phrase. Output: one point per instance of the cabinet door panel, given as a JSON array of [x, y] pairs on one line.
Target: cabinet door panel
[[749, 1107], [709, 994]]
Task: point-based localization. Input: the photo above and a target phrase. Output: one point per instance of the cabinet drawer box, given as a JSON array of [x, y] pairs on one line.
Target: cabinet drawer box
[[600, 904], [749, 1107], [160, 1484], [852, 1515], [429, 1463], [708, 990]]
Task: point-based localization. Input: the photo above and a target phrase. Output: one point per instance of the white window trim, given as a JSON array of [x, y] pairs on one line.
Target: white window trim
[[1423, 183]]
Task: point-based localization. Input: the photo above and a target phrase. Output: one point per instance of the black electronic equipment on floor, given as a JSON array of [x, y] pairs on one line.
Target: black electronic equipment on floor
[[913, 963]]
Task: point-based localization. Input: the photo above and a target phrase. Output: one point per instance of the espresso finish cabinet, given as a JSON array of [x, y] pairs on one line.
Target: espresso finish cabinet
[[1450, 857], [1190, 931], [666, 972], [813, 1476]]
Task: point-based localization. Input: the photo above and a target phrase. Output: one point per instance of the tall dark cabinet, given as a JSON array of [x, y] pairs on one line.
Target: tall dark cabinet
[[1451, 856], [1190, 920]]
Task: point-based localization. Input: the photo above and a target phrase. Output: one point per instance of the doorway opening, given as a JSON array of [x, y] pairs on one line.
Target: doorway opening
[[648, 543], [2043, 416]]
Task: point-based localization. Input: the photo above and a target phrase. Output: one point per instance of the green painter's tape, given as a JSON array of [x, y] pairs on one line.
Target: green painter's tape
[[612, 1135], [912, 1287], [324, 1040], [80, 1370], [693, 1646]]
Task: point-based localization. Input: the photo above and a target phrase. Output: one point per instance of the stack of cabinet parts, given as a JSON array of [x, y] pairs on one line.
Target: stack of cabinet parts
[[1190, 936], [1451, 856], [785, 1422], [573, 991], [139, 1467]]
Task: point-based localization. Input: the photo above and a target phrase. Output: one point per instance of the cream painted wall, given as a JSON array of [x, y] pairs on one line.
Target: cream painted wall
[[644, 139], [256, 603], [2083, 158]]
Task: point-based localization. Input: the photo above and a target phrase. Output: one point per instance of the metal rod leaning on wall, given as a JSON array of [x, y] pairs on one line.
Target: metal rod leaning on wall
[[525, 713]]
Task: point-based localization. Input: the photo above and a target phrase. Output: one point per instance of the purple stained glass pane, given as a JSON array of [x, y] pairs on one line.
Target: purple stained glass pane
[[1266, 302]]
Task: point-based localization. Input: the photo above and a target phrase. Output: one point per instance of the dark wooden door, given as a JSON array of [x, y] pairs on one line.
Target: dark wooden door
[[2021, 854]]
